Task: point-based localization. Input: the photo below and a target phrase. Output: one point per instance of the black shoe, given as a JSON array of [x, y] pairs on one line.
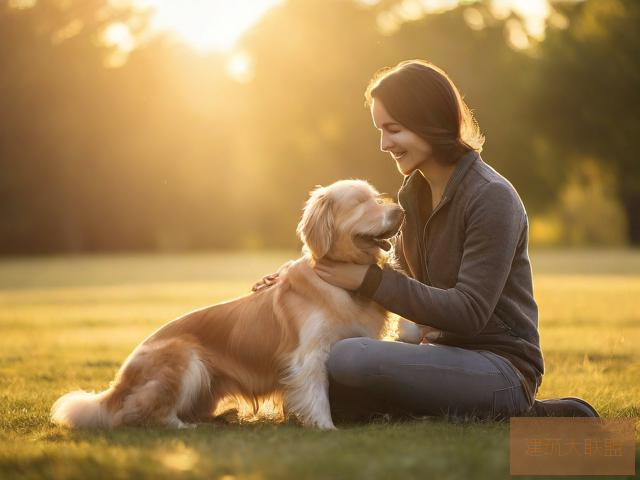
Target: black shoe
[[563, 407]]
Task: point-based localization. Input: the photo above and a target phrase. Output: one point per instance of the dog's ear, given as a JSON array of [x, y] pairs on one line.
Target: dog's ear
[[316, 225]]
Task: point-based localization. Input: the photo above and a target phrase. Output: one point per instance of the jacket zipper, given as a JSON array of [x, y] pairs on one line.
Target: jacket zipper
[[441, 204]]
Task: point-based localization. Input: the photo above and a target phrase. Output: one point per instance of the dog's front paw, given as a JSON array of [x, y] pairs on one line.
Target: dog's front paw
[[322, 422], [325, 425]]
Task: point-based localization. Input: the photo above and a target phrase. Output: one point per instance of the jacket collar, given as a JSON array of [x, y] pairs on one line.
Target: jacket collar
[[415, 186]]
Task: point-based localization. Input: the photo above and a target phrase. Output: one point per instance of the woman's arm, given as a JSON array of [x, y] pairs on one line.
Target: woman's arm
[[495, 224]]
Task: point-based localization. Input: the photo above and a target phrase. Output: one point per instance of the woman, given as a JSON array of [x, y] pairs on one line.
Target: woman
[[465, 272]]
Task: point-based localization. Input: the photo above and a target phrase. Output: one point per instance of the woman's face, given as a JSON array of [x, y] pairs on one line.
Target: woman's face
[[409, 150]]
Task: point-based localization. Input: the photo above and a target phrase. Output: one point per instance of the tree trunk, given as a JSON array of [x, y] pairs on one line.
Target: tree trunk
[[631, 204]]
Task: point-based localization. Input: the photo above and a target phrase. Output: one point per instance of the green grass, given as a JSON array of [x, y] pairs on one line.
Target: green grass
[[68, 322]]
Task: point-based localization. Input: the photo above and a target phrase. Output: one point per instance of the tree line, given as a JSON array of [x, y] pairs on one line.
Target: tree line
[[170, 152]]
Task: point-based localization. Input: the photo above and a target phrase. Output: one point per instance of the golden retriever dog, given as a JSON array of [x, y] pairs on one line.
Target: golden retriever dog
[[272, 342]]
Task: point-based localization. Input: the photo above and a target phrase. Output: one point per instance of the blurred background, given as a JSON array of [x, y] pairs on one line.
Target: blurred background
[[166, 125]]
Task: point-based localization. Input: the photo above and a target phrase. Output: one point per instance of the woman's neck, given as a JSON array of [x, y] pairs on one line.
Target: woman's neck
[[438, 175]]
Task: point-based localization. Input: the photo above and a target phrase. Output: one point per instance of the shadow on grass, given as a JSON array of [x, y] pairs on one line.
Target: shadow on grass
[[150, 436], [207, 431]]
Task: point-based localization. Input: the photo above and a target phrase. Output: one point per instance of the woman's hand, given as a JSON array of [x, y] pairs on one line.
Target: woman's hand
[[344, 275], [410, 332], [272, 278], [266, 282]]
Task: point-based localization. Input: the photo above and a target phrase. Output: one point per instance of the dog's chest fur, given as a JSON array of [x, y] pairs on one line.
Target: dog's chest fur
[[342, 314]]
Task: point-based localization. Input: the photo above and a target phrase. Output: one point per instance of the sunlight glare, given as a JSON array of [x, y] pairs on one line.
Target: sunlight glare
[[205, 25], [240, 67], [118, 35], [516, 34], [534, 13], [474, 18]]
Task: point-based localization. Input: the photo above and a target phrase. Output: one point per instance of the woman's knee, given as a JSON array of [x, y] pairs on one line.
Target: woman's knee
[[350, 362]]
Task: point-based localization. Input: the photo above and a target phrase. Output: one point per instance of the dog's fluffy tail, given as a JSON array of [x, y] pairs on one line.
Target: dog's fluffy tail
[[81, 409]]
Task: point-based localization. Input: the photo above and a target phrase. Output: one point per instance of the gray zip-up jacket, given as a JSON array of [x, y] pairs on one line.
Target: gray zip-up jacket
[[468, 267]]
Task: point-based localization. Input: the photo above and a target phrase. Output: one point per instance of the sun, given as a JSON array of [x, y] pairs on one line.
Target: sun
[[204, 25]]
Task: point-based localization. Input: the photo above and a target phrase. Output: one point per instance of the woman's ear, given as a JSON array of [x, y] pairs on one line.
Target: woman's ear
[[316, 225]]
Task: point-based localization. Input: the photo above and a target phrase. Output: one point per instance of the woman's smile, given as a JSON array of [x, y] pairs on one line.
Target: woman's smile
[[407, 148]]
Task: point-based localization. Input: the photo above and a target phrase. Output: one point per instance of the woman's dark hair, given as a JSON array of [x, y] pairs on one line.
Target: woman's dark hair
[[422, 98]]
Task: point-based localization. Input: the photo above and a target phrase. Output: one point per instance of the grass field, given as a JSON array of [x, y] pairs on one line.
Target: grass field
[[68, 322]]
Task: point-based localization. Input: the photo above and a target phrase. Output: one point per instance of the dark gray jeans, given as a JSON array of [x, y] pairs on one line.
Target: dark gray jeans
[[369, 377]]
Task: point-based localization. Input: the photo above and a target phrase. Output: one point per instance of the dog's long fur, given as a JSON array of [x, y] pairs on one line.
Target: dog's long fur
[[275, 341]]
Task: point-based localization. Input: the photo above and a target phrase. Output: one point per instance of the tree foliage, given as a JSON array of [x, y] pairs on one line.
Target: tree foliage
[[169, 152], [588, 98]]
